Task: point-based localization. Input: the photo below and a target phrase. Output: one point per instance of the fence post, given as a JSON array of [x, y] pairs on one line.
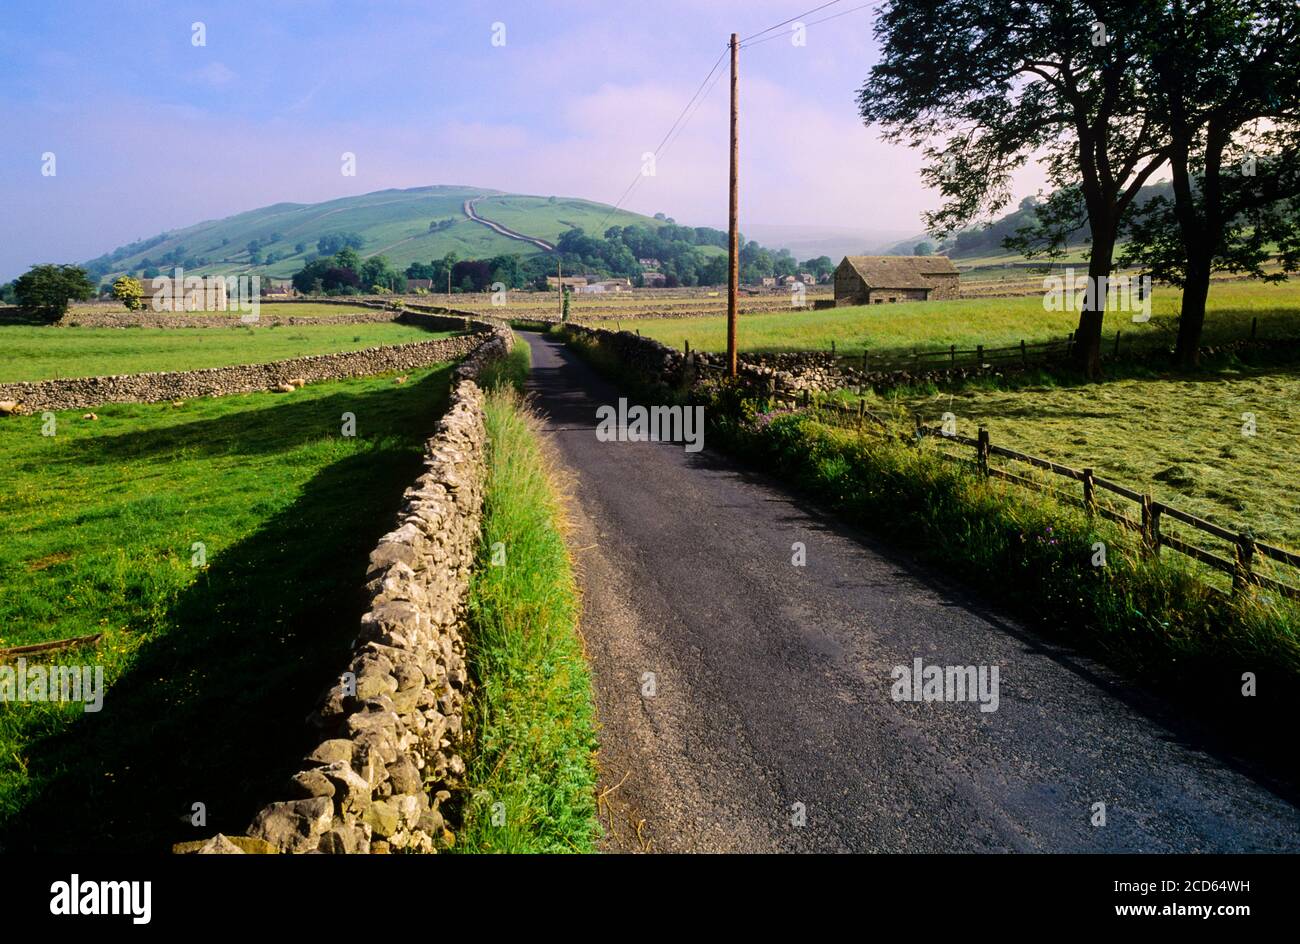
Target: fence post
[[1024, 354], [862, 412], [1150, 526], [979, 357], [952, 355], [984, 450], [1245, 556], [1089, 492], [832, 347], [686, 346]]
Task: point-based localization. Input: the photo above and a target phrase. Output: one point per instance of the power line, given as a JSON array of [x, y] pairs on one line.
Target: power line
[[698, 105], [787, 22], [833, 16], [667, 134], [683, 118]]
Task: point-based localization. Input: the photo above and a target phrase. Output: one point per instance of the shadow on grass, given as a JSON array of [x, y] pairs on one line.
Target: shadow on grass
[[213, 711], [277, 427]]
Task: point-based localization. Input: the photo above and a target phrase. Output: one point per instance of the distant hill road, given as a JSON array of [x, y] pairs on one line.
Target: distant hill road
[[497, 227]]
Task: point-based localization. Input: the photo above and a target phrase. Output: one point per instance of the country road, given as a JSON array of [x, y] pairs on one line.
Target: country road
[[470, 212], [745, 702]]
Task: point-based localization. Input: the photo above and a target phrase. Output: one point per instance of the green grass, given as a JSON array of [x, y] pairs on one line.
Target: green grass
[[1178, 438], [995, 322], [211, 669], [531, 775], [41, 353]]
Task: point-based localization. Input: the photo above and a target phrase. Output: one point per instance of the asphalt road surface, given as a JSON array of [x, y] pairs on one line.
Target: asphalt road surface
[[745, 702]]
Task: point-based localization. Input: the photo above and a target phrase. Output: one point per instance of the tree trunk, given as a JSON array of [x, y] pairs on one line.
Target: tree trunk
[[1087, 337], [1191, 319]]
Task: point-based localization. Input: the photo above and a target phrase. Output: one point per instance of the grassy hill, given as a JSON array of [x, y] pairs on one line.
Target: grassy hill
[[415, 225]]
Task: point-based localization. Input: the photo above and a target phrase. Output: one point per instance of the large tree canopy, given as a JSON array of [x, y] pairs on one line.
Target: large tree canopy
[[983, 86]]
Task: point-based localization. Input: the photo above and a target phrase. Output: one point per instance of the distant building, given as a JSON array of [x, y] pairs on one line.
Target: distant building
[[649, 264], [874, 280], [571, 282], [606, 285], [415, 284], [653, 279], [769, 281], [191, 293], [807, 278]]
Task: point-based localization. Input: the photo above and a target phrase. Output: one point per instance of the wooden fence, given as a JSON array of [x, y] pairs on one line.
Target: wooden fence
[[1246, 551], [1146, 520], [979, 357]]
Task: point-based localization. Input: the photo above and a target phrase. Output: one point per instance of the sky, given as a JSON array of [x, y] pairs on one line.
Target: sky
[[151, 130]]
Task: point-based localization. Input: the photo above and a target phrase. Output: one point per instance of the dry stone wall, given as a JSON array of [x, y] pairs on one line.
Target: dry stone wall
[[82, 392], [391, 725]]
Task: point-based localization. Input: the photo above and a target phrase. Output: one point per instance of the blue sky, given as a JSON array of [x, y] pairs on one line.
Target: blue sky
[[151, 132]]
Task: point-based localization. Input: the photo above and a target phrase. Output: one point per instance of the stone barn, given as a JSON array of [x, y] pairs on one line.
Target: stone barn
[[876, 280]]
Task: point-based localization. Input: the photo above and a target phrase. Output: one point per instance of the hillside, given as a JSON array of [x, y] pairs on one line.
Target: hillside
[[981, 246], [415, 225]]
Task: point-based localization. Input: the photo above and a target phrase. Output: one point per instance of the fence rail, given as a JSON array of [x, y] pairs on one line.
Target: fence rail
[[1023, 354], [1246, 550]]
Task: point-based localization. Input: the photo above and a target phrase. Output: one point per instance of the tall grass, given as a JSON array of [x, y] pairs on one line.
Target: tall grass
[[531, 774]]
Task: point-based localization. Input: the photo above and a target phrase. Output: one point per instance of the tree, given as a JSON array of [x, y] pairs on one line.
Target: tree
[[299, 248], [47, 289], [923, 249], [984, 85], [129, 292], [1223, 74]]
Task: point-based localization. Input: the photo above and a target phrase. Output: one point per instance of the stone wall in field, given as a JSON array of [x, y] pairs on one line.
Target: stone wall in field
[[391, 725], [792, 372], [82, 392], [368, 312]]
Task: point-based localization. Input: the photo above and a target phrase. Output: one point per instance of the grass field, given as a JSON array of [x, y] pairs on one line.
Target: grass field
[[531, 772], [998, 322], [40, 353], [210, 668], [1180, 440]]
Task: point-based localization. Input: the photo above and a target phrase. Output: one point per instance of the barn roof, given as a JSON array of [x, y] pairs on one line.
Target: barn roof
[[900, 271]]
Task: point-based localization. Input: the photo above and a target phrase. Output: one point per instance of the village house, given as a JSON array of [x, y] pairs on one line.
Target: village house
[[769, 281], [807, 278], [414, 285], [653, 279], [649, 264], [875, 280]]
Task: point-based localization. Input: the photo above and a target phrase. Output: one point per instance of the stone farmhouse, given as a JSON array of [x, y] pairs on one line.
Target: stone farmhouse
[[875, 280]]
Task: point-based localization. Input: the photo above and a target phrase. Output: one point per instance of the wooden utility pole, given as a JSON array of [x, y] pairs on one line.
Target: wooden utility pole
[[733, 243], [559, 285]]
